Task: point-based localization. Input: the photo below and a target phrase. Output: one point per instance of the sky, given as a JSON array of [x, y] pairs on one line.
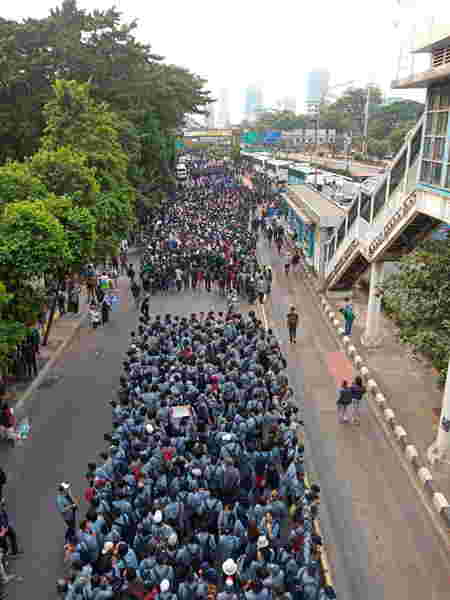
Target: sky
[[235, 43]]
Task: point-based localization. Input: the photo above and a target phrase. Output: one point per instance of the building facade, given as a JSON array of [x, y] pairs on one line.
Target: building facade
[[317, 85]]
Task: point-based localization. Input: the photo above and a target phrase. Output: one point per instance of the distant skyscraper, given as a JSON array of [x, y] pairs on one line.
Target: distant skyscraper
[[253, 102], [316, 88], [210, 119], [223, 118]]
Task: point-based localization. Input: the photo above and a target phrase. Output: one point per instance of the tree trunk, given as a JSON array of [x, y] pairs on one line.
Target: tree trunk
[[52, 314]]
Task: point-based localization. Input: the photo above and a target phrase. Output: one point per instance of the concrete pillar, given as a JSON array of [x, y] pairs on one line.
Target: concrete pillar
[[440, 448], [372, 334]]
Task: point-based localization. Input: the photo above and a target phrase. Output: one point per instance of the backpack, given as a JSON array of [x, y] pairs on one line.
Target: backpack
[[292, 319], [348, 314], [212, 513]]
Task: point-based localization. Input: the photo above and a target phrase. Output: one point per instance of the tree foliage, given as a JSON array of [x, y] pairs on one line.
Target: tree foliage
[[279, 120], [18, 182], [66, 171], [32, 241], [96, 47], [419, 298], [74, 118]]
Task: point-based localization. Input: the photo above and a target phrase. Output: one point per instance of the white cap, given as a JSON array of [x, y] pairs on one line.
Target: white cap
[[149, 428], [164, 585], [227, 437], [262, 542], [173, 539], [107, 547], [196, 472], [157, 518], [65, 485], [229, 567]]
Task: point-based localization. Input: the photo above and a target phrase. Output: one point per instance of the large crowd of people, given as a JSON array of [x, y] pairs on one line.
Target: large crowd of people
[[201, 492]]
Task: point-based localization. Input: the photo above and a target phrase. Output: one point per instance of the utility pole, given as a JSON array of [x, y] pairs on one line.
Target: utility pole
[[366, 122]]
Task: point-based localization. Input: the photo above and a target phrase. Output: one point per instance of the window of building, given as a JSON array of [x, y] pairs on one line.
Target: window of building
[[436, 137], [431, 172]]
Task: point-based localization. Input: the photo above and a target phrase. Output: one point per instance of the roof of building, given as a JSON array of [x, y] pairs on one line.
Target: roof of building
[[318, 208]]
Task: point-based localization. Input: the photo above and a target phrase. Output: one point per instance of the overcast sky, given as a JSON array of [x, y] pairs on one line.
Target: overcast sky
[[236, 42]]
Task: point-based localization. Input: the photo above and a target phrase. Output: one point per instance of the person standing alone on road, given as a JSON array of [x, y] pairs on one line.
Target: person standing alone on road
[[292, 323], [349, 316]]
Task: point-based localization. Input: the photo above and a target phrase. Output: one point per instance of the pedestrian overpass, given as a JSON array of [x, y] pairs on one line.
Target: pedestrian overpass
[[389, 222]]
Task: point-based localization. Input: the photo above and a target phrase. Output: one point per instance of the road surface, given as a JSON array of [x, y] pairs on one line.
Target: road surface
[[381, 543]]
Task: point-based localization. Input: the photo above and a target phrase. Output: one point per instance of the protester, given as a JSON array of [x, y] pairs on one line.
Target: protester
[[203, 429]]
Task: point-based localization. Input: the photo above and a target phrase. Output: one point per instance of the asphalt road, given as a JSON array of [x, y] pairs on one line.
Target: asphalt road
[[380, 540], [69, 415]]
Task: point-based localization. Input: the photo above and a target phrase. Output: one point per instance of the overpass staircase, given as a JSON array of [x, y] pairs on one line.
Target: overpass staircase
[[387, 223]]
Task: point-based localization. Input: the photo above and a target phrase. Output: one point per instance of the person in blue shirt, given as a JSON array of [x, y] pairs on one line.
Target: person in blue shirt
[[67, 509]]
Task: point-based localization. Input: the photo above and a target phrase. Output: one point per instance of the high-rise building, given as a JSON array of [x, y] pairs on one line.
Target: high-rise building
[[253, 102], [210, 117], [316, 88], [223, 117]]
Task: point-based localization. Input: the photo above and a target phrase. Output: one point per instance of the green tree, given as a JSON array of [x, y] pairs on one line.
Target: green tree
[[66, 171], [96, 47], [114, 214], [398, 135], [18, 183], [378, 148], [80, 228], [32, 241], [352, 105], [75, 120], [419, 298]]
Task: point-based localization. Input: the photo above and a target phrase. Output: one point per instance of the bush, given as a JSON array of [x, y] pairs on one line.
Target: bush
[[418, 298]]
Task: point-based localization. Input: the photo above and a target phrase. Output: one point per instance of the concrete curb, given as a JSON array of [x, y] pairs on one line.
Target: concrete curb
[[381, 405], [19, 408]]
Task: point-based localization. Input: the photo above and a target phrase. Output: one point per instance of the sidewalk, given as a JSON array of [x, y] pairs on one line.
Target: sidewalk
[[64, 329], [408, 383]]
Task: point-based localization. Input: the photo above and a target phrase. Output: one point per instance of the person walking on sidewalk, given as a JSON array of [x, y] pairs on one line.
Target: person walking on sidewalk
[[358, 390], [349, 317], [67, 508], [106, 309], [131, 273], [292, 323], [343, 402], [136, 291]]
